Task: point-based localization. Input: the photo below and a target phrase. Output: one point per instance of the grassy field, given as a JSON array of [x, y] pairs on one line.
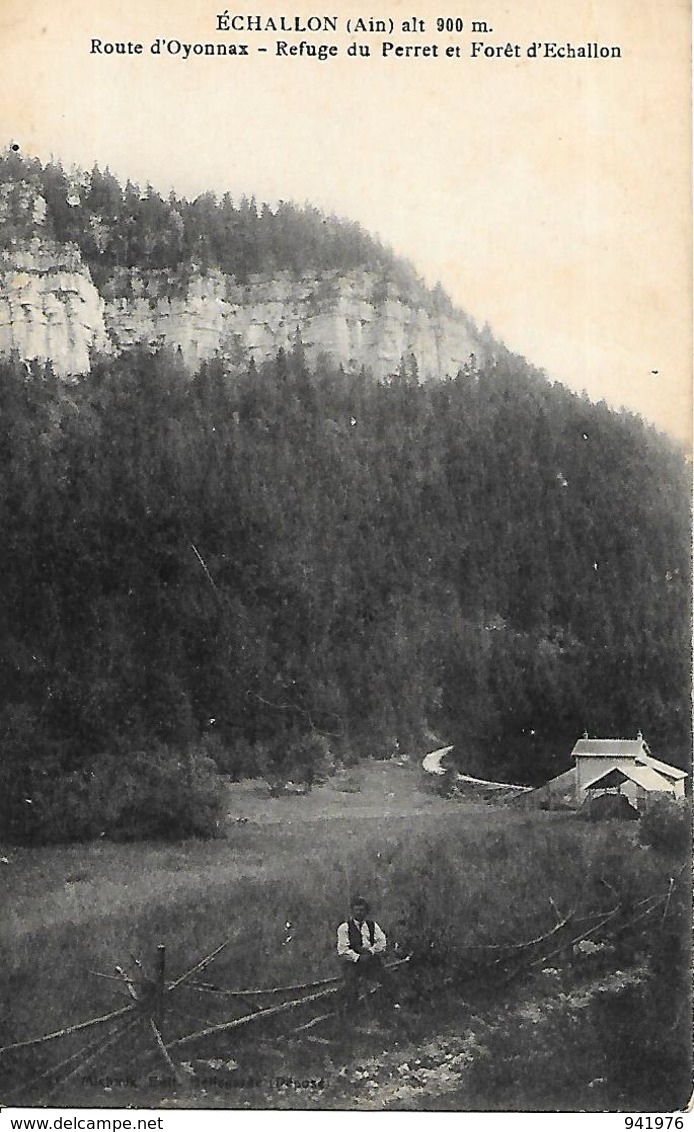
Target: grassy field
[[441, 875], [72, 909]]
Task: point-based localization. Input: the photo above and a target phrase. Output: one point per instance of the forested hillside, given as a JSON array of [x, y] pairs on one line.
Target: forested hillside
[[88, 266], [276, 567], [119, 227]]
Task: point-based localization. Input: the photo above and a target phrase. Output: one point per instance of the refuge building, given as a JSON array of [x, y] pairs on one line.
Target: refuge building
[[624, 766]]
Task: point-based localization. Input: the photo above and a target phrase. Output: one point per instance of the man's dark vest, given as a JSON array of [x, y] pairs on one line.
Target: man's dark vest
[[355, 935]]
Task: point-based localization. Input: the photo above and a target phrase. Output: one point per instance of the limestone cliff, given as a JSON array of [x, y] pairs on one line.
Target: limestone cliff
[[51, 310]]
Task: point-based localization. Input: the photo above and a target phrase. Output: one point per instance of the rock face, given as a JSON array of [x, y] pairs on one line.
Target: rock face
[[51, 310]]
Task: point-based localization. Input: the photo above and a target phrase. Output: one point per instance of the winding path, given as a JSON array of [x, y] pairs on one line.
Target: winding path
[[432, 764]]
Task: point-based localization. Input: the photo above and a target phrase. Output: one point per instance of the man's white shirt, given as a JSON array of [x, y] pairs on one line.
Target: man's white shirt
[[346, 952]]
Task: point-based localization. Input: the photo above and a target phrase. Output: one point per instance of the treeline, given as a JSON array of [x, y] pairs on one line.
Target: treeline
[[277, 567], [125, 227]]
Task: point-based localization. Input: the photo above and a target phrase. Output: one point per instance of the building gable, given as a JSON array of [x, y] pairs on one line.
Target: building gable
[[643, 776]]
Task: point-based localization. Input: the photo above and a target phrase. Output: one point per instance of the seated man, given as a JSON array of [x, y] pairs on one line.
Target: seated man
[[360, 946]]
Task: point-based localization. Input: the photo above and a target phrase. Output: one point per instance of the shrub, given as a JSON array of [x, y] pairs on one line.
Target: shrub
[[24, 791], [140, 795], [666, 825], [309, 760], [235, 755], [29, 762], [165, 794], [443, 785], [301, 757]]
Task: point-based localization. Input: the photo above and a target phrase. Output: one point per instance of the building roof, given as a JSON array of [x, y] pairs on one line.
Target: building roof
[[564, 781], [626, 748], [664, 768], [643, 776], [561, 788], [637, 748]]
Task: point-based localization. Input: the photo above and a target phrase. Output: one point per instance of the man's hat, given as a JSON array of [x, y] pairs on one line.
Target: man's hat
[[359, 900]]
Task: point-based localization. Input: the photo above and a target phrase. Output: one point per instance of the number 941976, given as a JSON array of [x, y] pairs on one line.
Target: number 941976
[[653, 1123]]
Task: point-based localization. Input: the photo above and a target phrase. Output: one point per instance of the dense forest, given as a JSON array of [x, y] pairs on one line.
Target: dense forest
[[128, 227], [271, 570], [275, 568]]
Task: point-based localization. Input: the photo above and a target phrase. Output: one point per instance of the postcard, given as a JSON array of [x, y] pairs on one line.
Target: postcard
[[345, 474]]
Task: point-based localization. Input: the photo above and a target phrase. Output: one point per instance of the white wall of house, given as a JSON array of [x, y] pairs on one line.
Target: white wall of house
[[590, 767]]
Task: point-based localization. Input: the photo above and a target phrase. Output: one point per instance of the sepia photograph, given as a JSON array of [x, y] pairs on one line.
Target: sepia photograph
[[345, 561]]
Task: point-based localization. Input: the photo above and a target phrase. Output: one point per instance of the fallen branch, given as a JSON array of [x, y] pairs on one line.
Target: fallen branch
[[563, 947], [68, 1030], [313, 1022], [200, 559], [242, 993], [53, 1070], [269, 1012], [642, 915], [198, 966], [593, 916], [110, 1041], [114, 978], [527, 943], [597, 915], [162, 1049], [129, 984], [207, 989], [669, 894]]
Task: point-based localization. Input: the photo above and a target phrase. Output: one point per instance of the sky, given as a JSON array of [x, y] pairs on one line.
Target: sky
[[550, 196]]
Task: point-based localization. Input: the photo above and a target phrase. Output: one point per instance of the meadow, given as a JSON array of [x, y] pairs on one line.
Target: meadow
[[445, 878]]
